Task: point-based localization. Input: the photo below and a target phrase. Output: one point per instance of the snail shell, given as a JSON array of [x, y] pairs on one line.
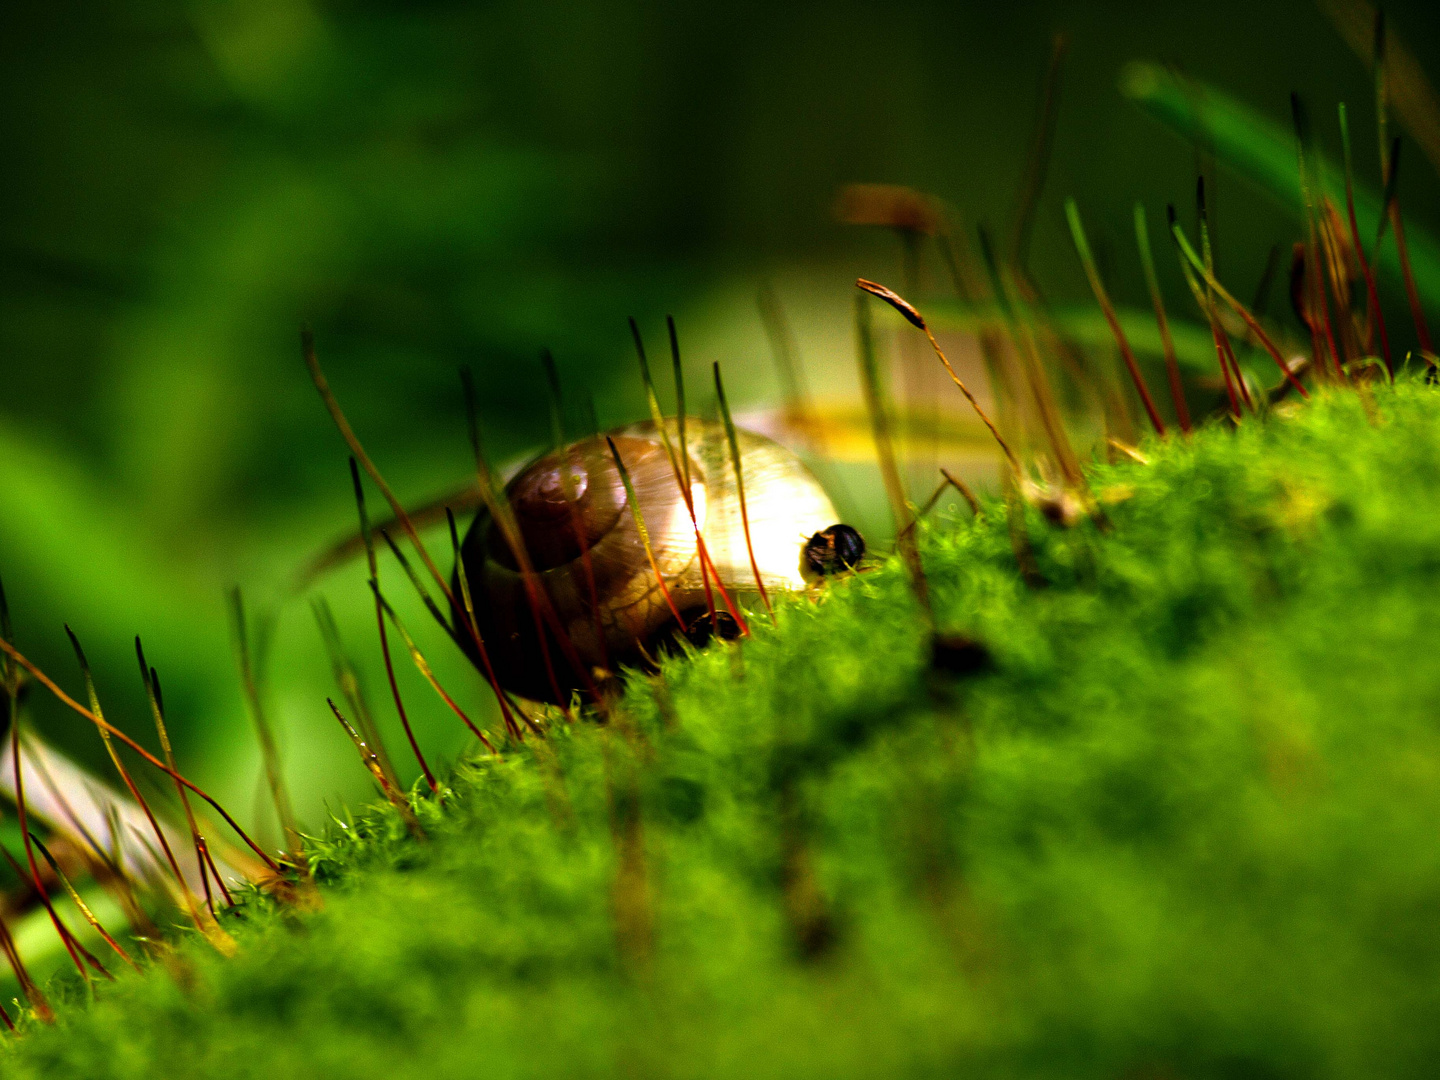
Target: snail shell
[[573, 500]]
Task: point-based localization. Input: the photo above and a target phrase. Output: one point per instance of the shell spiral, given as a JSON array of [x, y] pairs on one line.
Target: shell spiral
[[579, 531]]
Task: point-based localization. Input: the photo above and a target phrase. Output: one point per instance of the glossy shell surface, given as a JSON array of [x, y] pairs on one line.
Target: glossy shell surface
[[573, 512]]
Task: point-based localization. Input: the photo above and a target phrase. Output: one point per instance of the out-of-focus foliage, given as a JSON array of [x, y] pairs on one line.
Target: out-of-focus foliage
[[441, 184], [1183, 826]]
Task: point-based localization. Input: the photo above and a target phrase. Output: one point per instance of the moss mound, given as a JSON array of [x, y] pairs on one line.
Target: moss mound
[[1186, 823]]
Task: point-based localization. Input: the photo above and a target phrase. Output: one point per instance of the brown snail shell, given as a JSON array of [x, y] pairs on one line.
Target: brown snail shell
[[573, 500]]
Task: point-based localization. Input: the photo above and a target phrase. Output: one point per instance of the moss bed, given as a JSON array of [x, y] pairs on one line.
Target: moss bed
[[1185, 824]]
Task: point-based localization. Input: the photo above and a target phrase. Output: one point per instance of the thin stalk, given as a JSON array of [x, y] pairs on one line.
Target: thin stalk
[[1204, 300], [423, 516], [115, 857], [915, 319], [12, 692], [639, 517], [1206, 249], [1037, 162], [1223, 338], [1397, 226], [66, 938], [875, 404], [374, 567], [215, 872], [307, 347], [1029, 351], [679, 376], [542, 610], [947, 481], [1335, 242], [157, 709], [1300, 300], [371, 761], [557, 434], [1313, 271], [419, 586], [1102, 297], [734, 441], [28, 986], [522, 557], [348, 680], [557, 403], [929, 505], [573, 510], [113, 731], [81, 906], [657, 416], [1372, 296], [1261, 300], [587, 564], [534, 601], [1389, 174], [96, 853], [125, 776], [1235, 369], [960, 486], [1240, 309], [270, 753], [684, 480], [1167, 343], [423, 666]]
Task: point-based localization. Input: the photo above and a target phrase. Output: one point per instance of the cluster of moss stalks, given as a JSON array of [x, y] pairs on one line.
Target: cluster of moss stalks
[[1185, 824]]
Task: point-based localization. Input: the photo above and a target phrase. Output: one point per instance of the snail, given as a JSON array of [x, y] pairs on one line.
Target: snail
[[572, 509]]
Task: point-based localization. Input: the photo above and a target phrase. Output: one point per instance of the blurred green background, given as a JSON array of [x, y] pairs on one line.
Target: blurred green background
[[435, 184]]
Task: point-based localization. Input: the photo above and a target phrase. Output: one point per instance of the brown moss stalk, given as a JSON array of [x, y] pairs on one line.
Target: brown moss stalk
[[269, 751], [734, 442], [1167, 342], [373, 565], [114, 732], [332, 405], [1102, 297]]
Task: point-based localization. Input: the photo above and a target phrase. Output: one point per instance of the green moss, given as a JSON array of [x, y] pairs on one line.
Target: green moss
[[1186, 825]]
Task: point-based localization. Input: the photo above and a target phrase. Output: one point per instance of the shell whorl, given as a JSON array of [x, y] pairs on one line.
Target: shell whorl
[[572, 502]]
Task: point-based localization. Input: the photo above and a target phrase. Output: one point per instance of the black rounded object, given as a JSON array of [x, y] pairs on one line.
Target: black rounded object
[[840, 547]]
